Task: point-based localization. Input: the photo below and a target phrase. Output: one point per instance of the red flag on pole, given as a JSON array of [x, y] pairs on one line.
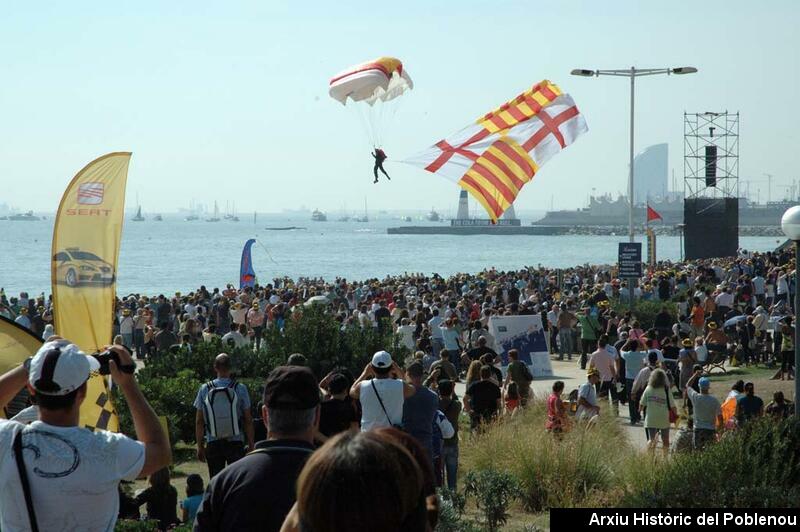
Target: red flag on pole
[[652, 214]]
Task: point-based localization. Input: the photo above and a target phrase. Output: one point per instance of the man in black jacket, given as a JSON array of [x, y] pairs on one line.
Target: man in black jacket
[[256, 492]]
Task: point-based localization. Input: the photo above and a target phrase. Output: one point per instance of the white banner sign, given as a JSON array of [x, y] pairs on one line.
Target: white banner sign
[[526, 335]]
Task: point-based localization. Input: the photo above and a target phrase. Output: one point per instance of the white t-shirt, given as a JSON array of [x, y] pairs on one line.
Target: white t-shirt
[[372, 415], [74, 480], [588, 392], [406, 333]]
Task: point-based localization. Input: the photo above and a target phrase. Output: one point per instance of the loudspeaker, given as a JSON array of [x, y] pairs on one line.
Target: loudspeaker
[[711, 166], [711, 227]]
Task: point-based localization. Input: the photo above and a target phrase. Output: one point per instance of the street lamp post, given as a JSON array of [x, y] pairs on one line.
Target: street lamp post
[[632, 73], [790, 223]]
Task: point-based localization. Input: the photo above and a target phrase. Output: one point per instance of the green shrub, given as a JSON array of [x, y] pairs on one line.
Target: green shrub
[[585, 465], [757, 466], [451, 513], [130, 525], [493, 492], [645, 311], [170, 381]]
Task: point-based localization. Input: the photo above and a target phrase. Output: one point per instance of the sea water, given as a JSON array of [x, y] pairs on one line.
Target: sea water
[[177, 256]]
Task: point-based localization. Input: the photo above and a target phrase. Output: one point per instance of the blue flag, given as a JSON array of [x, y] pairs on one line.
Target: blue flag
[[247, 276]]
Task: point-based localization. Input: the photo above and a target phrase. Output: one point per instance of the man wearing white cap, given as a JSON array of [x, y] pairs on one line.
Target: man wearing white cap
[[56, 475], [382, 390]]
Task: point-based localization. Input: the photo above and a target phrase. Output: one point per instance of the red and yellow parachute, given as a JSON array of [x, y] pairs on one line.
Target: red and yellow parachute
[[376, 83], [381, 79]]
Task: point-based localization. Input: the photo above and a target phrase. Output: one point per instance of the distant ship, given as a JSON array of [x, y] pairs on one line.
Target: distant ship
[[406, 218], [344, 218], [606, 211], [24, 217], [433, 216], [138, 217], [158, 218], [214, 218], [192, 218], [318, 216]]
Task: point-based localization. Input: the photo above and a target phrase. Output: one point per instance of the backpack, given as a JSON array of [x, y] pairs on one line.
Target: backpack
[[221, 411]]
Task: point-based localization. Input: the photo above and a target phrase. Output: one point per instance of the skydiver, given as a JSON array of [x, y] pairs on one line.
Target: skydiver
[[380, 156]]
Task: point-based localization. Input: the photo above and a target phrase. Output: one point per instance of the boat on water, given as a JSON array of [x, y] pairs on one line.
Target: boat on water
[[192, 218], [158, 218], [214, 218], [365, 218], [23, 217], [406, 218], [433, 216], [138, 217], [290, 228], [318, 216], [344, 218]]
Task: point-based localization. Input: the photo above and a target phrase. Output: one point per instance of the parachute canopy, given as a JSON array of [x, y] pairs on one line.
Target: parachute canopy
[[380, 79]]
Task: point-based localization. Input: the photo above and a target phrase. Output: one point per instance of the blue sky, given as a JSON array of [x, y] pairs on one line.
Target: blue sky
[[228, 100]]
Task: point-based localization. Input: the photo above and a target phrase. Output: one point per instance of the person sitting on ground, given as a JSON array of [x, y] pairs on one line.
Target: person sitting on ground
[[588, 406], [161, 498], [57, 377], [779, 408], [257, 491], [194, 496], [748, 406]]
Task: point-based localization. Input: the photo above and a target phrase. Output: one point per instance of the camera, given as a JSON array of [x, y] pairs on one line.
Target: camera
[[107, 356]]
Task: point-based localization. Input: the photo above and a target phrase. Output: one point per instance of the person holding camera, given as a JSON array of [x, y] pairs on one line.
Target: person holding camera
[[56, 474], [382, 390]]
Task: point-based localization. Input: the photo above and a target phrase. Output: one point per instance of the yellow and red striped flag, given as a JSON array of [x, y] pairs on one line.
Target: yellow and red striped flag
[[497, 155]]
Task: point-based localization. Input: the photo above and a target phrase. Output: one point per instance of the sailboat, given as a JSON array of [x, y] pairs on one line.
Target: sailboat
[[158, 218], [230, 214], [138, 217], [365, 218], [215, 218]]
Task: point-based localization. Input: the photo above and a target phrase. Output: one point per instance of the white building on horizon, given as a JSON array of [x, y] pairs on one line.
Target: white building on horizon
[[650, 179]]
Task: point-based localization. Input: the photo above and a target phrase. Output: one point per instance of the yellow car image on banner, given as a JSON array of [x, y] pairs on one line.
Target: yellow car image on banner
[[86, 240]]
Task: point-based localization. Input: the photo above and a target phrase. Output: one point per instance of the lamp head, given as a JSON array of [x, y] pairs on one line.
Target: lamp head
[[684, 70], [582, 72], [790, 223]]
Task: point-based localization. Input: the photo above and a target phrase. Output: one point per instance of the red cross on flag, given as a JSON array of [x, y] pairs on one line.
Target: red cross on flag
[[494, 157]]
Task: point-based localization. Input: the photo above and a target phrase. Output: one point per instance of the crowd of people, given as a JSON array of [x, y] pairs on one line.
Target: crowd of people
[[281, 465]]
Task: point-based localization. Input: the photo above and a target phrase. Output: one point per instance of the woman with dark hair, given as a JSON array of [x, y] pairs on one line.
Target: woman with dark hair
[[363, 481], [161, 499]]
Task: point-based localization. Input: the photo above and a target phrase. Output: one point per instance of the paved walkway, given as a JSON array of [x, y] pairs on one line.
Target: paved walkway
[[573, 376]]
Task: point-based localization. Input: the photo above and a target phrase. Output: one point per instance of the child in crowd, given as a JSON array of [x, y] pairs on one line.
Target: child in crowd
[[194, 496]]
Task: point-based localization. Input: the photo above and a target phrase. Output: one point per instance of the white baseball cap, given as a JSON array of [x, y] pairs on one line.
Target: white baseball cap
[[382, 359], [59, 368]]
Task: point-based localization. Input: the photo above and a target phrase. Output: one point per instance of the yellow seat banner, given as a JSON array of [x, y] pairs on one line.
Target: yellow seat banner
[[86, 240]]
